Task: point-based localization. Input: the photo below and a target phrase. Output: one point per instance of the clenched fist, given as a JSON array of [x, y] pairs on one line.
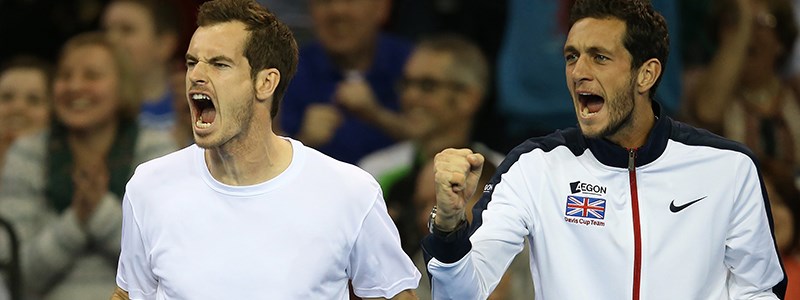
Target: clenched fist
[[456, 172]]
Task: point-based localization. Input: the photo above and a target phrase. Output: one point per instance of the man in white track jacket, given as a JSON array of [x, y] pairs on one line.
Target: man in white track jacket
[[633, 205]]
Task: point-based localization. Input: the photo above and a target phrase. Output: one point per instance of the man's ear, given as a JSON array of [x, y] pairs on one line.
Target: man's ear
[[470, 100], [167, 43], [266, 82], [649, 72], [383, 10]]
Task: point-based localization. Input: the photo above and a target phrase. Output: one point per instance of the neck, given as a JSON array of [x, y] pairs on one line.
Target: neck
[[761, 92], [154, 84], [89, 145], [359, 60], [760, 82], [635, 134], [249, 160]]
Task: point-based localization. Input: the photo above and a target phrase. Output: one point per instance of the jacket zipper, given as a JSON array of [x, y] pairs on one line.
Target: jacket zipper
[[637, 233]]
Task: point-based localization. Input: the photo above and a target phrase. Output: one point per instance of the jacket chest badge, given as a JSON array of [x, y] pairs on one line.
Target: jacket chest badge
[[586, 210]]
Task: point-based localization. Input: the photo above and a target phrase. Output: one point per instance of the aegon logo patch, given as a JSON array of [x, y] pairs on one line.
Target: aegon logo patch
[[588, 188]]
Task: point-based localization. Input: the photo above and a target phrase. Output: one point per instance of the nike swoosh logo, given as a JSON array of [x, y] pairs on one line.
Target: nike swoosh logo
[[676, 209]]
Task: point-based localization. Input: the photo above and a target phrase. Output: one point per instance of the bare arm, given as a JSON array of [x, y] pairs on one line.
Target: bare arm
[[119, 294], [719, 81], [356, 96]]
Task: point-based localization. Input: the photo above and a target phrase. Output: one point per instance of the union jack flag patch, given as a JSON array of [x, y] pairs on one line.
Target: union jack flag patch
[[585, 207]]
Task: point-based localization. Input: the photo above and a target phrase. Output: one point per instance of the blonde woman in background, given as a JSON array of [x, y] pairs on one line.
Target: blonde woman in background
[[61, 188]]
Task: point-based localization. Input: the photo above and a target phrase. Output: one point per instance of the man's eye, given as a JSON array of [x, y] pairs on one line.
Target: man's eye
[[570, 57], [427, 85], [190, 63], [601, 58], [6, 97], [221, 65]]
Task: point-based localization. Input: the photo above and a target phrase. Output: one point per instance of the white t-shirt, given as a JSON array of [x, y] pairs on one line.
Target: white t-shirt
[[300, 235]]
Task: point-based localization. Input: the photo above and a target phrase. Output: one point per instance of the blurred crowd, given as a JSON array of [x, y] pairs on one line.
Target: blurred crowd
[[91, 88]]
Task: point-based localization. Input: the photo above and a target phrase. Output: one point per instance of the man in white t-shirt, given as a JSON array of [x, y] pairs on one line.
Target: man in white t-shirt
[[244, 213]]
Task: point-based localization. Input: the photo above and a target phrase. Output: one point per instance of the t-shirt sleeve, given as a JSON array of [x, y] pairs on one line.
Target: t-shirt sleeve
[[378, 265], [134, 274]]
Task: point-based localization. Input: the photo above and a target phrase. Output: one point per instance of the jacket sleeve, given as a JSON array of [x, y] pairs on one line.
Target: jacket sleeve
[[750, 252], [469, 266]]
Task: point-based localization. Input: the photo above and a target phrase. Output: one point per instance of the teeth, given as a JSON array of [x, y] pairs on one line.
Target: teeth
[[200, 97], [201, 124], [585, 112], [80, 103]]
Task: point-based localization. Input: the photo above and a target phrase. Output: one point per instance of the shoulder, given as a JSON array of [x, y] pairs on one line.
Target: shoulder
[[568, 139], [311, 49], [392, 52], [29, 147], [490, 154], [164, 168], [25, 160], [388, 159], [700, 138], [346, 177], [560, 145], [312, 56], [395, 44]]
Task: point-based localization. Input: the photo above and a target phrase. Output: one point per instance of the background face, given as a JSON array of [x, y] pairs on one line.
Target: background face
[[24, 101], [132, 28], [347, 26], [86, 88], [428, 96], [765, 47]]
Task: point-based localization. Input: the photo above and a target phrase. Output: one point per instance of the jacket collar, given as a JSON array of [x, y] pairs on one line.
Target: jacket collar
[[613, 155]]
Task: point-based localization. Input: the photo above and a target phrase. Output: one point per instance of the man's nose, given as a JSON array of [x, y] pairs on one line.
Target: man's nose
[[17, 103], [581, 69], [197, 73]]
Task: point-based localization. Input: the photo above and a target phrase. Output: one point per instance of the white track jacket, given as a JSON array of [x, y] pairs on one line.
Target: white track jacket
[[683, 217]]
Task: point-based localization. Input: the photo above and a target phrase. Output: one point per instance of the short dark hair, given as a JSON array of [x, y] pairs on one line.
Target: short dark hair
[[164, 13], [270, 43], [468, 66], [782, 21], [646, 34], [30, 62]]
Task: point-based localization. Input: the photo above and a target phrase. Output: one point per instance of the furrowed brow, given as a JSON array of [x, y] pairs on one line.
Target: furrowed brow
[[596, 50], [221, 58]]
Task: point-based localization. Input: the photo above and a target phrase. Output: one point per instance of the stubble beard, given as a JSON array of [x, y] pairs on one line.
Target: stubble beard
[[620, 110], [226, 136]]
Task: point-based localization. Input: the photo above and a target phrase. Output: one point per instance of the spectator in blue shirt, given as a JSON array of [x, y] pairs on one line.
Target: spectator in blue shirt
[[349, 64]]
